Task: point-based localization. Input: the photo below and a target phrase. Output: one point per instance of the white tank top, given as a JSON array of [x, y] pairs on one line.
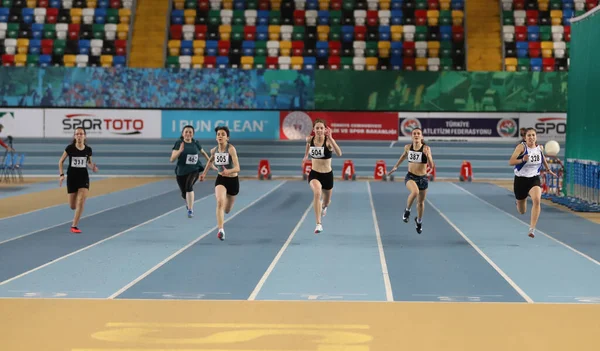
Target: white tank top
[[532, 167]]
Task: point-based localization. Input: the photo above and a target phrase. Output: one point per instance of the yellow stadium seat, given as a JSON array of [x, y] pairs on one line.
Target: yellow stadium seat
[[225, 32], [396, 33], [556, 16], [384, 4], [444, 5], [275, 5], [22, 46], [227, 5], [69, 59], [197, 61], [174, 47], [20, 60], [323, 5], [384, 48], [421, 63], [189, 16], [125, 15], [434, 48], [122, 31], [547, 49], [543, 5], [179, 5], [199, 47], [247, 62], [323, 32], [457, 17], [285, 48], [433, 17], [106, 60], [274, 31], [511, 64], [31, 4], [297, 62], [76, 15], [371, 63], [92, 5]]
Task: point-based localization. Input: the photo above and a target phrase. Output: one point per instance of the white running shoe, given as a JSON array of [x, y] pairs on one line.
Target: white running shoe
[[319, 228], [323, 211], [221, 234]]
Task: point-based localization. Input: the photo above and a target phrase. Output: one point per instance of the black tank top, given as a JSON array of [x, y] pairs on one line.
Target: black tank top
[[417, 156], [319, 152]]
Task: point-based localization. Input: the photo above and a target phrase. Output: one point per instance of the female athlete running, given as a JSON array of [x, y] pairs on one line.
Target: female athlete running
[[189, 166], [319, 147], [78, 179], [227, 184], [419, 156], [528, 158]]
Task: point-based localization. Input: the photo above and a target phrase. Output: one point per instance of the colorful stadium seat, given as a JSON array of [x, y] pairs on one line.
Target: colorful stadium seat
[[425, 35], [537, 33], [64, 32]]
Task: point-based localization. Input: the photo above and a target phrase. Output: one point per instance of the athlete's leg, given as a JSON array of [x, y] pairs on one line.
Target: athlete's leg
[[536, 208], [81, 197], [317, 190], [326, 200], [190, 180], [421, 203], [73, 200], [229, 201], [414, 191], [221, 196]]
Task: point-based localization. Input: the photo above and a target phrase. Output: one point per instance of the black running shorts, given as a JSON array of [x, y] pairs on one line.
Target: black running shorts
[[232, 184], [326, 179], [522, 185]]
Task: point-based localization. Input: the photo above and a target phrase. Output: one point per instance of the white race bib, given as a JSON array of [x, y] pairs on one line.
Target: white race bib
[[535, 158], [415, 156], [317, 151], [78, 162], [191, 159], [221, 158]]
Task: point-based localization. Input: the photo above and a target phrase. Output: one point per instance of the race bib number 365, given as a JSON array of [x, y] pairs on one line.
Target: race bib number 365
[[221, 158], [78, 162]]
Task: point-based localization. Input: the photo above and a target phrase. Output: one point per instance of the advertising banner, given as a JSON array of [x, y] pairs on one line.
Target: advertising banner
[[548, 126], [107, 124], [450, 126], [21, 123], [296, 125], [243, 125]]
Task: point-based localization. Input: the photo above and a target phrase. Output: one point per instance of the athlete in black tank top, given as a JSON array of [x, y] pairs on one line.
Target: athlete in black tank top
[[320, 177], [416, 181]]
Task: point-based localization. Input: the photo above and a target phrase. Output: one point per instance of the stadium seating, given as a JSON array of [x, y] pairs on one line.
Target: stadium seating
[[537, 33], [317, 34], [64, 32]]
